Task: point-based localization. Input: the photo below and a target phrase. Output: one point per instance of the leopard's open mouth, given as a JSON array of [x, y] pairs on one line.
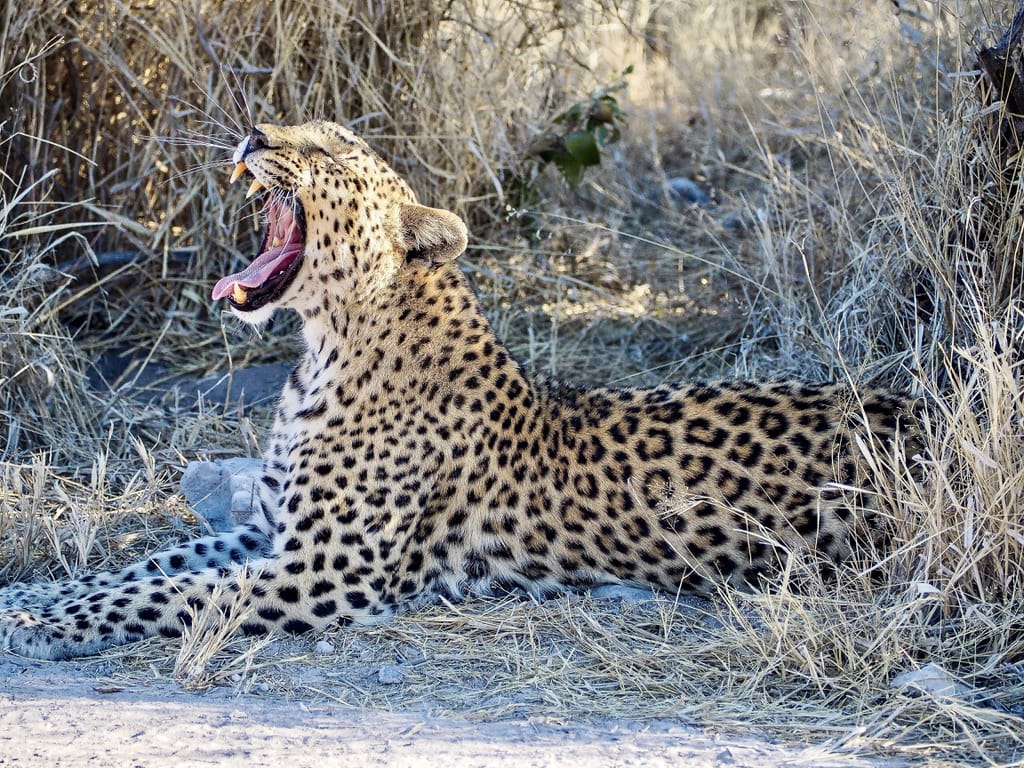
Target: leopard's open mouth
[[278, 258]]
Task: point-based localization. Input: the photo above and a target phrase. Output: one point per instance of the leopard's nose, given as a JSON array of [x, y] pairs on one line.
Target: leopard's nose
[[257, 140]]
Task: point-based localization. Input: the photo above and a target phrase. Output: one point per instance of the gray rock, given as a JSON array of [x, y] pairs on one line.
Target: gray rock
[[222, 492], [622, 592], [683, 190], [324, 648], [933, 679], [390, 674]]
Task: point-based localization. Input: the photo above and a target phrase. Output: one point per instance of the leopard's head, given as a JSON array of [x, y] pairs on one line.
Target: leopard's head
[[341, 225]]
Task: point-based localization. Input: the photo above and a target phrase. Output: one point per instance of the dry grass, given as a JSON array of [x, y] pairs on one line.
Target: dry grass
[[861, 229]]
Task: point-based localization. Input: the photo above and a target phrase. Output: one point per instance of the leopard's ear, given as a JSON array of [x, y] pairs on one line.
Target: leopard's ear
[[431, 236]]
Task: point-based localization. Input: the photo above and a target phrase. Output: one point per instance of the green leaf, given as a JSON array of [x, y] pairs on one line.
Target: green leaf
[[582, 146], [572, 170]]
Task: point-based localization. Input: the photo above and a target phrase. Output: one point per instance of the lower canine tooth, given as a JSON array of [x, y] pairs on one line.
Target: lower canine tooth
[[239, 294], [277, 242]]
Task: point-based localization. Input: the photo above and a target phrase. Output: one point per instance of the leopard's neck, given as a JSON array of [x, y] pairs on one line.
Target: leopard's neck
[[428, 334]]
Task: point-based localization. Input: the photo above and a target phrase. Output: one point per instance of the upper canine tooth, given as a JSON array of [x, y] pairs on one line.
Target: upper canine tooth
[[253, 188], [239, 170]]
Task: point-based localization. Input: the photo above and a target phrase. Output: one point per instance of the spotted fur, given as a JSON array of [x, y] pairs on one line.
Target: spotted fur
[[412, 457]]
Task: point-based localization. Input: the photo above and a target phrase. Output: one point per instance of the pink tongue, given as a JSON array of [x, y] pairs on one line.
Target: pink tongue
[[280, 224], [261, 270]]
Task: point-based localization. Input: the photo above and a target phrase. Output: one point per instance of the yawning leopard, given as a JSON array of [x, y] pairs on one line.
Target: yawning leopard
[[413, 458]]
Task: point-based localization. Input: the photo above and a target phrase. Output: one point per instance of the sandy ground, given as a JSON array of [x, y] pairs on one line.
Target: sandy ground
[[65, 714]]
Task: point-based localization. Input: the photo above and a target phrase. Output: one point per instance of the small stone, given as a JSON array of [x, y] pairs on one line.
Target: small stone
[[222, 492], [324, 647], [682, 189], [390, 674], [931, 678], [622, 592]]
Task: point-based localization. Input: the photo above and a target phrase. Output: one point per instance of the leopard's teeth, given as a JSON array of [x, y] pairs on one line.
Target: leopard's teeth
[[238, 293], [277, 242], [237, 172], [253, 189]]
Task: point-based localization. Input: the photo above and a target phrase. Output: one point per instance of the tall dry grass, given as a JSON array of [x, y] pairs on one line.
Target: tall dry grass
[[116, 118], [862, 228]]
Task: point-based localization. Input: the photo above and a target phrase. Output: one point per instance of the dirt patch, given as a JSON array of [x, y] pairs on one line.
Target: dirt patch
[[72, 714]]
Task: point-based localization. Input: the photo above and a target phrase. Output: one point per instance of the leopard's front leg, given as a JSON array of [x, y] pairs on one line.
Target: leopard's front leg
[[333, 556], [221, 550], [295, 591]]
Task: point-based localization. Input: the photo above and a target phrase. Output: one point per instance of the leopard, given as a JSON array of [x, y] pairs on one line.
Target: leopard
[[413, 460]]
